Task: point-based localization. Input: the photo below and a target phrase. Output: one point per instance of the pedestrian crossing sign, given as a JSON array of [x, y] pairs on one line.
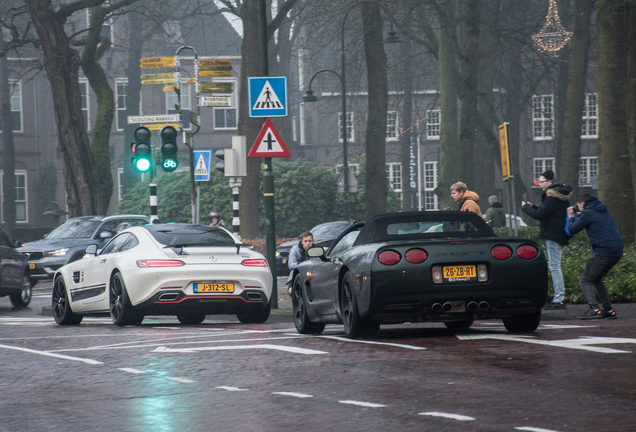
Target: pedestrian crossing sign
[[202, 160], [267, 96]]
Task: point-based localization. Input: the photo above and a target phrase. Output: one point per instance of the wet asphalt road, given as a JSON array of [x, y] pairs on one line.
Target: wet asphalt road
[[570, 375]]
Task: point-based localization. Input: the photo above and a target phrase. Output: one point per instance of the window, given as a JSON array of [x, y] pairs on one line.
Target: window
[[430, 183], [433, 122], [121, 92], [225, 117], [392, 132], [394, 176], [542, 117], [21, 214], [589, 127], [15, 90], [172, 99], [83, 83], [541, 165], [350, 130], [588, 171]]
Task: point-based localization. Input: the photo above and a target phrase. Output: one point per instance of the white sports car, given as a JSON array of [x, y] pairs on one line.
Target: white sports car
[[167, 269]]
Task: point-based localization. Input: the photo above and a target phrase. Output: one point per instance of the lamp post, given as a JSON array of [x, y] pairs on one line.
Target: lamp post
[[310, 97]]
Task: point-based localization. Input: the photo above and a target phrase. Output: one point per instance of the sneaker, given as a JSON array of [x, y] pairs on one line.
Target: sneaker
[[554, 306], [609, 314], [591, 314]]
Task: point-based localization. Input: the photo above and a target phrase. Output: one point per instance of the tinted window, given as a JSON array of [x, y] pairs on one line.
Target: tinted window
[[115, 244], [190, 235], [329, 230], [74, 228], [427, 227], [345, 242]]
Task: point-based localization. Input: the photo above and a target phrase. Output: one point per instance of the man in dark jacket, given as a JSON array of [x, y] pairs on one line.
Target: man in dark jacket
[[551, 214], [607, 250], [495, 214]]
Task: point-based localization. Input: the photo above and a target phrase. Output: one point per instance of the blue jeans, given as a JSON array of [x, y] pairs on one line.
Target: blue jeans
[[554, 264]]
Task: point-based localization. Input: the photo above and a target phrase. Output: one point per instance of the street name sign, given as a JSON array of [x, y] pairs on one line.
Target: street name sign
[[215, 101], [267, 96], [157, 81], [215, 87], [269, 143], [202, 160], [168, 118]]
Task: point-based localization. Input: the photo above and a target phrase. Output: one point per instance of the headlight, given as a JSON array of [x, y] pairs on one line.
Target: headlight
[[277, 254], [59, 252]]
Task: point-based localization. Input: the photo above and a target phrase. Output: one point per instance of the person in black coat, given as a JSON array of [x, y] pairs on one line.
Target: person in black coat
[[607, 250], [551, 213]]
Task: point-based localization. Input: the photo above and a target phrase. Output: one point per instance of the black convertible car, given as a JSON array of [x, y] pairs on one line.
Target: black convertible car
[[448, 267]]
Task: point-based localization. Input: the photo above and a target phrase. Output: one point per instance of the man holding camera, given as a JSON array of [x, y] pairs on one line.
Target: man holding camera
[[607, 250]]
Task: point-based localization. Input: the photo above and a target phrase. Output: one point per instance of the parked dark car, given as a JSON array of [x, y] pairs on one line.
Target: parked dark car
[[444, 266], [67, 242], [324, 235], [14, 276]]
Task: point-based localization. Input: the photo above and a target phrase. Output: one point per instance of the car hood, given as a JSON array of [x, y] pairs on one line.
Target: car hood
[[46, 245]]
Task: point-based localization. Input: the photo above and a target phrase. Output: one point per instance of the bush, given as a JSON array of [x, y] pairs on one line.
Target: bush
[[620, 281]]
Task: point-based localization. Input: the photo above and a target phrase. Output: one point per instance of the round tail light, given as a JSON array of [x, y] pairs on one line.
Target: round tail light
[[389, 257], [527, 252], [501, 252], [416, 256]]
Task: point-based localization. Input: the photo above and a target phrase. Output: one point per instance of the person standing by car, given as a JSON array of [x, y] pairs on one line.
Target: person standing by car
[[216, 219], [466, 199], [298, 254], [495, 214], [607, 250], [551, 214]]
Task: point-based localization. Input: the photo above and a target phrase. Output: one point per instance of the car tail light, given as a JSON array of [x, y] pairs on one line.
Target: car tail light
[[416, 256], [527, 252], [254, 263], [501, 252], [389, 257], [159, 263]]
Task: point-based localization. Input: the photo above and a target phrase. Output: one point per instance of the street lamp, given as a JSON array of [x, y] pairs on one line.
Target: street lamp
[[310, 97]]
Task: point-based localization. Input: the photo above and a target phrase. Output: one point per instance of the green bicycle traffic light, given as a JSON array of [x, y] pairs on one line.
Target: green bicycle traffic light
[[142, 153], [169, 149]]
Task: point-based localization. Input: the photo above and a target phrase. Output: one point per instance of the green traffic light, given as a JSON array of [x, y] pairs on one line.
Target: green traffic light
[[142, 165]]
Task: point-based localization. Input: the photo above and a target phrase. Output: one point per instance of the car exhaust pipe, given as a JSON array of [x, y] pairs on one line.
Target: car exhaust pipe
[[437, 307], [254, 296], [484, 305], [447, 307], [168, 297], [472, 306]]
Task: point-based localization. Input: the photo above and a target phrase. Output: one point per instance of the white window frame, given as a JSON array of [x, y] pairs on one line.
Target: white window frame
[[539, 166], [351, 136], [431, 201], [23, 200], [433, 124], [394, 177], [542, 117], [86, 105], [124, 105], [392, 126], [588, 168], [233, 106], [589, 126], [15, 91]]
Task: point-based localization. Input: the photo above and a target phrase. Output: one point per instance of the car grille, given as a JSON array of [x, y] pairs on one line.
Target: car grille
[[35, 256], [284, 254]]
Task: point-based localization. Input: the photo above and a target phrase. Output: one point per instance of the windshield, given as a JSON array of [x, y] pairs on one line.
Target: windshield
[[74, 229], [426, 227], [192, 235], [329, 230]]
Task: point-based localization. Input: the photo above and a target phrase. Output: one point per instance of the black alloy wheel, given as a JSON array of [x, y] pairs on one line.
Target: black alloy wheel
[[60, 304], [522, 323], [122, 311], [23, 298], [299, 307]]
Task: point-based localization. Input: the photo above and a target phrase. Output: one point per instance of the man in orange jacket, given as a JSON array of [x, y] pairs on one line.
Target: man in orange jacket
[[466, 199]]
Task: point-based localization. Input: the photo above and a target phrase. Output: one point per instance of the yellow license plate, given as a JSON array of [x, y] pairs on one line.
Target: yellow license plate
[[463, 273], [31, 266], [213, 287]]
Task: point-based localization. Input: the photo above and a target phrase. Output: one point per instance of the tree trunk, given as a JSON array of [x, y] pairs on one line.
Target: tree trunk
[[8, 150], [378, 102], [575, 99], [62, 65], [615, 186], [630, 96]]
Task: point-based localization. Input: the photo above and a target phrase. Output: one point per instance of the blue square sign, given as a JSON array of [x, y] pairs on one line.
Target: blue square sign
[[267, 96]]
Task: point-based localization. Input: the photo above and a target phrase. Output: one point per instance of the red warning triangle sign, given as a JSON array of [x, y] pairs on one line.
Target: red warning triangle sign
[[269, 143]]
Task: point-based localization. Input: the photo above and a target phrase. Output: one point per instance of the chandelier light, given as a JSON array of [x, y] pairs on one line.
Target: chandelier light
[[552, 36]]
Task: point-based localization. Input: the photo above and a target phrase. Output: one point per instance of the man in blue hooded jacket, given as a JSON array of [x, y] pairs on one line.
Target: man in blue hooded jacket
[[607, 250]]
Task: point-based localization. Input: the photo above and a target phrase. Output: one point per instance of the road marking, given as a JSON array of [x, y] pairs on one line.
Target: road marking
[[49, 354], [131, 370], [533, 429], [228, 388], [181, 380], [339, 338], [447, 415], [292, 394], [294, 350], [363, 404], [584, 343]]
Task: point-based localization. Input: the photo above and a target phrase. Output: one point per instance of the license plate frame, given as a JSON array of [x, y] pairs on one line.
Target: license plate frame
[[459, 273], [213, 287]]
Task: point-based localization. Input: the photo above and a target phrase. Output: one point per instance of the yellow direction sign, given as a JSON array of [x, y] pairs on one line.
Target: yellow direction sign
[[157, 76], [161, 126], [215, 62], [157, 81], [213, 87], [194, 118], [503, 147], [190, 81], [156, 62], [216, 73], [216, 67], [170, 88]]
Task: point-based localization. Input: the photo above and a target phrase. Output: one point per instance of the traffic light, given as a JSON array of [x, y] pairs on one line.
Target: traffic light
[[169, 160], [220, 155], [142, 153]]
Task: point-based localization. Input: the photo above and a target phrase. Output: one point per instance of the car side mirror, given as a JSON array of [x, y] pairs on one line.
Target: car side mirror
[[315, 252], [105, 234], [90, 250], [17, 244]]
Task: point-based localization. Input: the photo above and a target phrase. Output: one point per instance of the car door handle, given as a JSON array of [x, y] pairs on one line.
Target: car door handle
[[102, 261]]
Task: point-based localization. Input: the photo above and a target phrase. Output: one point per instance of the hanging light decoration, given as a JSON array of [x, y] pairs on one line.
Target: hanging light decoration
[[552, 36]]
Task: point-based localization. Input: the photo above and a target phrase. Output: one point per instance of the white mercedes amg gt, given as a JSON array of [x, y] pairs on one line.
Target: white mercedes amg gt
[[166, 269]]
